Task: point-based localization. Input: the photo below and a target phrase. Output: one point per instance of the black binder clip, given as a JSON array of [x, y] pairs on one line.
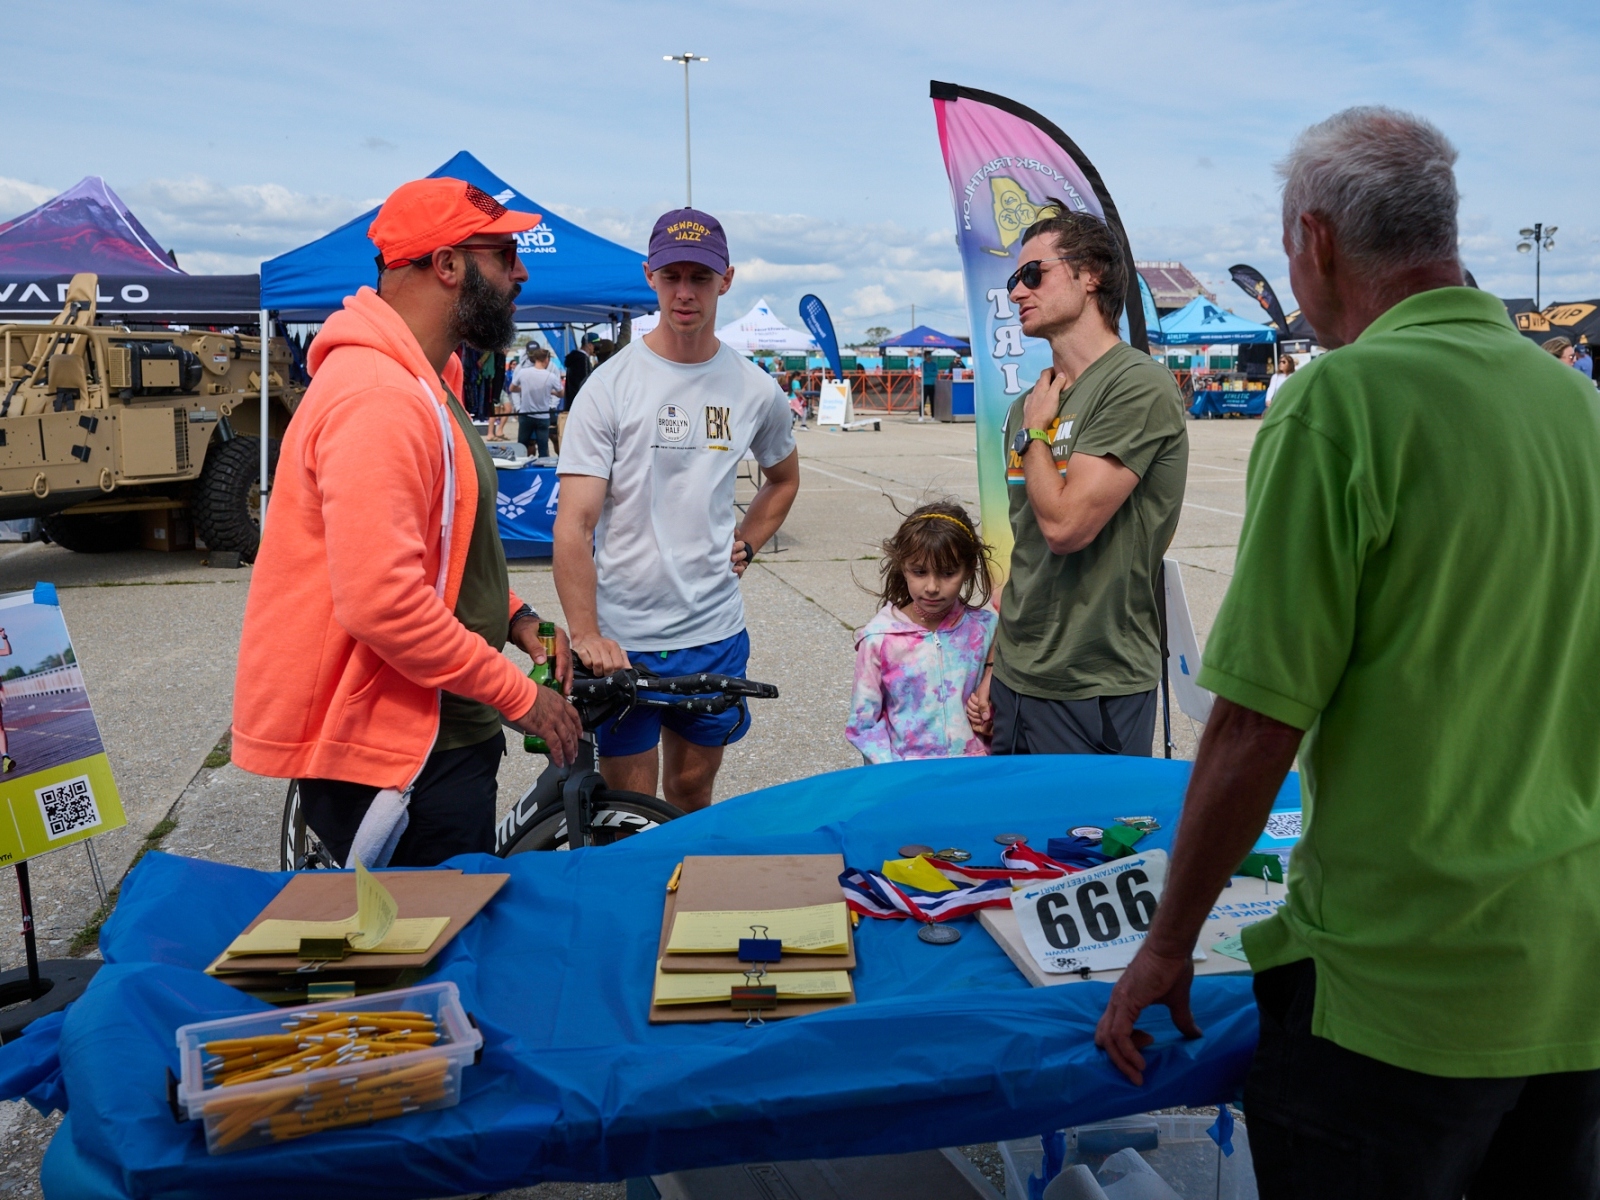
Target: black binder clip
[[760, 949]]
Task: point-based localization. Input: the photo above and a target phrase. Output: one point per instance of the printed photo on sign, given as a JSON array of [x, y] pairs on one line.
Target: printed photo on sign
[[45, 718], [1093, 920], [55, 780]]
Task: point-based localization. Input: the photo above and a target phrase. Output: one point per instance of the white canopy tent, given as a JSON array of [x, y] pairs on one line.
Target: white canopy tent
[[757, 330]]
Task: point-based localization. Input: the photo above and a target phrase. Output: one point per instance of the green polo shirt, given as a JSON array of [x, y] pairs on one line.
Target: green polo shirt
[[1418, 587]]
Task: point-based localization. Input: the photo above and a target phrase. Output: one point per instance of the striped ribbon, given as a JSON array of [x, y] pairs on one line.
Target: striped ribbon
[[1019, 864], [873, 895]]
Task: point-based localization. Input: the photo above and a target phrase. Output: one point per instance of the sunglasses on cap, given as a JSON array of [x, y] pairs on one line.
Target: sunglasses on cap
[[1030, 273], [505, 251]]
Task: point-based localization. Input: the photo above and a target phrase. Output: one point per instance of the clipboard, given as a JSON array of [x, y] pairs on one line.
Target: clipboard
[[325, 895], [712, 882], [672, 1014]]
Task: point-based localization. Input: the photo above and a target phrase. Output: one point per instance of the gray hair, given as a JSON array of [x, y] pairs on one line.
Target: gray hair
[[1383, 179]]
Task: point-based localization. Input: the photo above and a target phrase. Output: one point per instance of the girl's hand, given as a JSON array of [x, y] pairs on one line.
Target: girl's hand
[[980, 713]]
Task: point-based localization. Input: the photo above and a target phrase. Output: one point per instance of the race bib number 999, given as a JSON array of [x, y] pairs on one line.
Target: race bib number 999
[[1095, 919]]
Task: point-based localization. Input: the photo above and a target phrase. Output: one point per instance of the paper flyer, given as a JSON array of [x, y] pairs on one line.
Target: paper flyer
[[55, 780]]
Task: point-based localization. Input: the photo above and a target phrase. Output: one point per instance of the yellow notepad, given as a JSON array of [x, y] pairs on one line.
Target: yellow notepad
[[819, 929], [374, 928], [715, 987], [405, 935]]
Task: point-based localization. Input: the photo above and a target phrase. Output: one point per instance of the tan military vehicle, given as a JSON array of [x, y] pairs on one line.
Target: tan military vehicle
[[100, 425]]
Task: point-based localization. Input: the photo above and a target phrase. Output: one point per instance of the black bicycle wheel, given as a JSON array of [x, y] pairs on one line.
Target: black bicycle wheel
[[299, 848], [617, 815]]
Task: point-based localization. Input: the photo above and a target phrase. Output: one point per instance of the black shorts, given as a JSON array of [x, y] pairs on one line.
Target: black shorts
[[1103, 725], [452, 807]]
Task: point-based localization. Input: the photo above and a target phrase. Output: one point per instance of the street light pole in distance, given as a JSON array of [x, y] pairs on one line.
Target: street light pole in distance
[[686, 58], [1538, 239]]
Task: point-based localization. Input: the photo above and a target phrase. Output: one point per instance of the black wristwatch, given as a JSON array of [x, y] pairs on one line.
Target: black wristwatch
[[525, 613], [1019, 444]]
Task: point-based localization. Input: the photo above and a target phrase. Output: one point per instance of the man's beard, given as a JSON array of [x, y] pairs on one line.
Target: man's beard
[[482, 317]]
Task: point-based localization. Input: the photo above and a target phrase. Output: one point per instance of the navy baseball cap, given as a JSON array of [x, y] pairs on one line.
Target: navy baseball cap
[[688, 235]]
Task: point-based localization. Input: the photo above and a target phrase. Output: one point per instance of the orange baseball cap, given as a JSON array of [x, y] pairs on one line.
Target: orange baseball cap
[[425, 214]]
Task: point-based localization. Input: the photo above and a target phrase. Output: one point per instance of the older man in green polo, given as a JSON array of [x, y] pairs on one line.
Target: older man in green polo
[[1416, 612]]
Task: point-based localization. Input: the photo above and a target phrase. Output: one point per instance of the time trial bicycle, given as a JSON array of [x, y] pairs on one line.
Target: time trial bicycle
[[574, 797]]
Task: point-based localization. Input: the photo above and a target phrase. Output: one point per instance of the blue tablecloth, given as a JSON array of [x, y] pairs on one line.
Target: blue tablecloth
[[525, 508], [947, 1045]]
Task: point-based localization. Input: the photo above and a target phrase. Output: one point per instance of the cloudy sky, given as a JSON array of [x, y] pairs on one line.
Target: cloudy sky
[[239, 131]]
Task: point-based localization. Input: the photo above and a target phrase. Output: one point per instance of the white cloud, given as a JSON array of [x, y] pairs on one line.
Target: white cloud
[[869, 301], [226, 228], [17, 197], [867, 273], [759, 272]]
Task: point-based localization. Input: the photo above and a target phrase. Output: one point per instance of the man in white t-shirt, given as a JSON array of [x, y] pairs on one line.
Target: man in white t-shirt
[[647, 479], [535, 394]]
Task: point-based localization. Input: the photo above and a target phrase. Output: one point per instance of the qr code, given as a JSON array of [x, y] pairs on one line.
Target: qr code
[[1284, 824], [68, 807]]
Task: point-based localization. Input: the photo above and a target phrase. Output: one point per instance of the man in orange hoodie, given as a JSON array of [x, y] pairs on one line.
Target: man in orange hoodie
[[370, 664]]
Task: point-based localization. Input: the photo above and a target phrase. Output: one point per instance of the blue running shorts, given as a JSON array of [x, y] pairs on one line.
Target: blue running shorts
[[640, 730]]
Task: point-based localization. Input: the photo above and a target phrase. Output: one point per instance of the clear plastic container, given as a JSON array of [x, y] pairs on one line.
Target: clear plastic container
[[278, 1108], [1184, 1155]]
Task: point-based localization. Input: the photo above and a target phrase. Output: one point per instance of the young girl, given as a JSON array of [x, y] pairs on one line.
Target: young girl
[[927, 649]]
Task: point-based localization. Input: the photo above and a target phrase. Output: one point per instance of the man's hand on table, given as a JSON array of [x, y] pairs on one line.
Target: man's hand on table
[[1243, 758], [1153, 977]]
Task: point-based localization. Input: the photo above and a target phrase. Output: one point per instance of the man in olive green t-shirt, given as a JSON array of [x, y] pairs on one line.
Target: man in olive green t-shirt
[[1096, 459], [1415, 610]]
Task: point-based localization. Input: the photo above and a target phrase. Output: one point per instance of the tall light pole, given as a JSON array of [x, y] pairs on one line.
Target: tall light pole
[[688, 179], [1538, 239]]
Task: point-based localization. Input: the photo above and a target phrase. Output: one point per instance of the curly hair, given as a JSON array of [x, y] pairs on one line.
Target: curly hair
[[940, 536]]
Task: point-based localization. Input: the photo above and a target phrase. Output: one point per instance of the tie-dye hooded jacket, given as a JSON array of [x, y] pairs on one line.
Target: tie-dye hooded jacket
[[912, 685]]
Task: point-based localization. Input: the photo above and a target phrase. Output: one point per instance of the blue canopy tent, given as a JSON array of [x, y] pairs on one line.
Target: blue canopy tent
[[1202, 322], [574, 276], [926, 338]]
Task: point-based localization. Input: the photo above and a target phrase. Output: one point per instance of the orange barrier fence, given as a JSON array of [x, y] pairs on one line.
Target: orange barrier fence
[[885, 392]]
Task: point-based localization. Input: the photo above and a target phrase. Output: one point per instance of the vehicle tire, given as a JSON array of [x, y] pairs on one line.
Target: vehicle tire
[[299, 849], [93, 533], [227, 496], [617, 815]]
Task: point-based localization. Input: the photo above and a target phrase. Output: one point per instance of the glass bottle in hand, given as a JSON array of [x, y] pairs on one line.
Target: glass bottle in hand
[[544, 674]]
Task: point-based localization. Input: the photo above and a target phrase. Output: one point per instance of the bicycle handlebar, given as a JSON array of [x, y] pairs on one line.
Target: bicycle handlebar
[[602, 697]]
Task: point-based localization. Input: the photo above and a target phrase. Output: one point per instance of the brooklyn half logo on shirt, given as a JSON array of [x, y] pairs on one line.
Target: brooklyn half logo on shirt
[[673, 424]]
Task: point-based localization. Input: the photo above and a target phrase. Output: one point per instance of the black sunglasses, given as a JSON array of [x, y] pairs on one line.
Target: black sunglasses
[[1030, 273], [506, 251]]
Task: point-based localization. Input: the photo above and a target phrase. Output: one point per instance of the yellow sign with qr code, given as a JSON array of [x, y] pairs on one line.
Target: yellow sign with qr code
[[56, 786]]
